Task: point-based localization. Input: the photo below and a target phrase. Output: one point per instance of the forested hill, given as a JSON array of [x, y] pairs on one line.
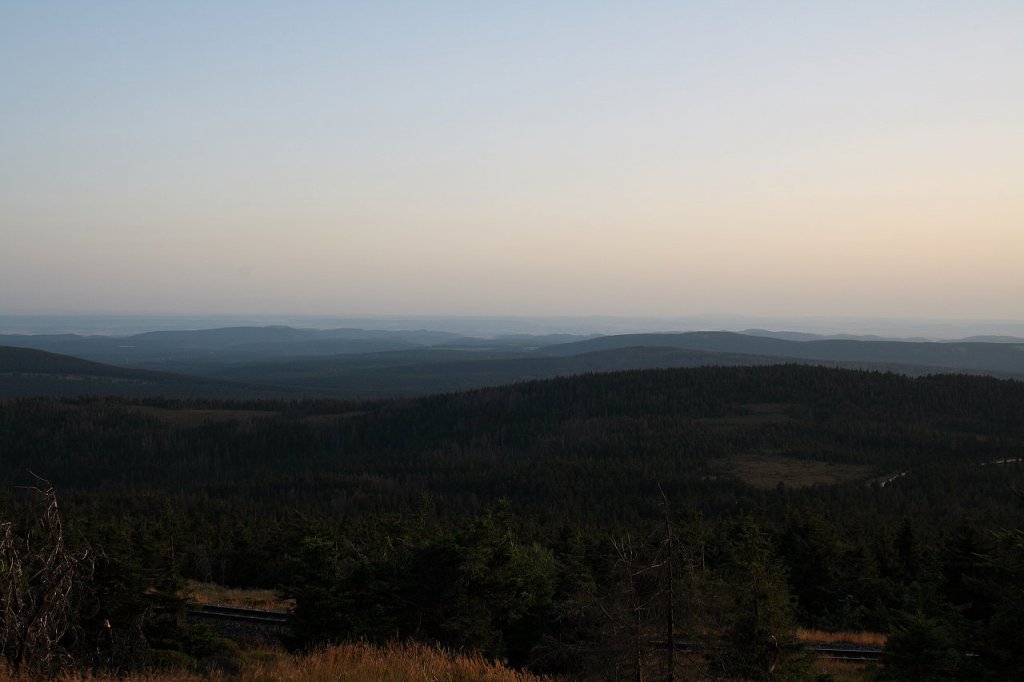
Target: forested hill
[[964, 356], [31, 361], [513, 520], [591, 448], [283, 362], [26, 371]]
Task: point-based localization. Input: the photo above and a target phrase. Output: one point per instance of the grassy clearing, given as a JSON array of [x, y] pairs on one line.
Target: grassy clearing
[[343, 663], [767, 471], [210, 593]]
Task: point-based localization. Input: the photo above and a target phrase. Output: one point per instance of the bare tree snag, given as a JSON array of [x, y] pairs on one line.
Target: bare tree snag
[[38, 577]]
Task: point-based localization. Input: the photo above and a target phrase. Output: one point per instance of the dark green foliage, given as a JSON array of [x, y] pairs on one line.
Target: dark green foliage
[[322, 611], [757, 624], [114, 605], [922, 648], [996, 582], [817, 558], [380, 517], [551, 448], [478, 588]]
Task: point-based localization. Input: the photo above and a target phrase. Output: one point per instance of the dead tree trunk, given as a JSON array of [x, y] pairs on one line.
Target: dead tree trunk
[[670, 611], [38, 577]]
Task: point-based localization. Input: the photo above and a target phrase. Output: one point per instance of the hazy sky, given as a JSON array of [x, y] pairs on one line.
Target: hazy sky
[[515, 158]]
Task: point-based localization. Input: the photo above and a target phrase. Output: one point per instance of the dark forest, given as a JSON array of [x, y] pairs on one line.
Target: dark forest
[[585, 526]]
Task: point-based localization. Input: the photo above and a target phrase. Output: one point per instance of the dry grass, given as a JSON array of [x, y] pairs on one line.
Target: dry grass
[[862, 638], [844, 671], [210, 593], [398, 662], [766, 471], [344, 663]]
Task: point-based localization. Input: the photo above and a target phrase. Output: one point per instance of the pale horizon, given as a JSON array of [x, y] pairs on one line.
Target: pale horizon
[[793, 160], [494, 326]]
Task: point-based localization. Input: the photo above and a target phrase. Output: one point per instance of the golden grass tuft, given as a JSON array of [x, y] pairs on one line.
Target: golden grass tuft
[[862, 638], [355, 662], [397, 662]]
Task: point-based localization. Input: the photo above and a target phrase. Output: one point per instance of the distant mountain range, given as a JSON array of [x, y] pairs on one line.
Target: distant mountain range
[[285, 362]]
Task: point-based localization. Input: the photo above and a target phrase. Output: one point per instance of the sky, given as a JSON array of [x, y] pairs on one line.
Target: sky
[[513, 158]]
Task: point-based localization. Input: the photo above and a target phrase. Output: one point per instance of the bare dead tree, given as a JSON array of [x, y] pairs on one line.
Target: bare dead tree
[[670, 600], [38, 578], [641, 592], [11, 573], [627, 561]]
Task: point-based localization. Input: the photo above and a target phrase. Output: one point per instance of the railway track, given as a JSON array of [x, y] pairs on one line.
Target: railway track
[[233, 613], [841, 652], [847, 652]]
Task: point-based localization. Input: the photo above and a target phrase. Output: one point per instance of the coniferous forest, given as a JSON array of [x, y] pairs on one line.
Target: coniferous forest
[[657, 524]]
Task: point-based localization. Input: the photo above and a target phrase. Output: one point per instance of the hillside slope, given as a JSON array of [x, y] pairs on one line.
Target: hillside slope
[[30, 372], [996, 358]]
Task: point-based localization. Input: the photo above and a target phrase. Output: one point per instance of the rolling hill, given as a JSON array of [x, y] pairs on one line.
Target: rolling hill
[[29, 372], [974, 357], [258, 362]]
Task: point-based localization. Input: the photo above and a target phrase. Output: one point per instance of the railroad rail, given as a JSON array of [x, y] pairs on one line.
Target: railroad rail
[[847, 652], [843, 652], [235, 613]]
